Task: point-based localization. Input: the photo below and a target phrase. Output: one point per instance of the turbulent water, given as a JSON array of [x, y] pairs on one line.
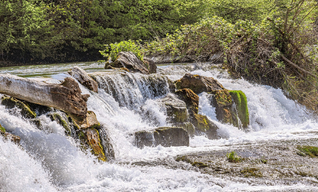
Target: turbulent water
[[48, 160]]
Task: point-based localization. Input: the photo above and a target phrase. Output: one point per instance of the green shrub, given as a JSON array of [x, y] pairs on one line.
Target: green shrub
[[111, 51], [233, 157]]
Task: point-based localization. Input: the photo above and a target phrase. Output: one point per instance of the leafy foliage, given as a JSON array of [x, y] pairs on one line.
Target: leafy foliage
[[233, 157]]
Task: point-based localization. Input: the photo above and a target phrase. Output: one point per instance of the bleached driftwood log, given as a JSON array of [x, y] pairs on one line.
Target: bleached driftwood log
[[66, 96]]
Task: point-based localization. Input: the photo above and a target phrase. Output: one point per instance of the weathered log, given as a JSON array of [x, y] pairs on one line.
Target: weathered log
[[66, 96]]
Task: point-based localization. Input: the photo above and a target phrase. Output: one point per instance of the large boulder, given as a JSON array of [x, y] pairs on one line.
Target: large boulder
[[165, 136], [130, 61], [198, 84], [81, 76]]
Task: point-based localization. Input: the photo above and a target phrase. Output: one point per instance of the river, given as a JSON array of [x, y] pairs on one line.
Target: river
[[48, 160]]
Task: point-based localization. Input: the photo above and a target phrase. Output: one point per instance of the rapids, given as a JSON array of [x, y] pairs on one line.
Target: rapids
[[48, 160]]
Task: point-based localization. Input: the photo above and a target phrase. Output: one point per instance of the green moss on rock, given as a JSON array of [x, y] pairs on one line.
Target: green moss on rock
[[204, 125], [2, 129], [240, 101], [11, 102]]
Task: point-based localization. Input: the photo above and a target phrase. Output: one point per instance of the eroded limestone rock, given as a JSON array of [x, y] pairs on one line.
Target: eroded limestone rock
[[204, 125], [240, 101]]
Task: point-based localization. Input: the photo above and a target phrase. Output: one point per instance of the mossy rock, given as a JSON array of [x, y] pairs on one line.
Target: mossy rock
[[204, 125], [2, 129], [176, 109], [90, 137], [188, 126], [11, 102], [63, 121], [222, 101], [240, 101]]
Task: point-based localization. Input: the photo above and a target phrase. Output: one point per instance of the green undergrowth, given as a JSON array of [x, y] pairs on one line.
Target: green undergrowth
[[240, 100], [307, 151]]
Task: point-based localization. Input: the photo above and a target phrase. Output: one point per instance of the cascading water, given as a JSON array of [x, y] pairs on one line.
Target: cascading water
[[49, 160]]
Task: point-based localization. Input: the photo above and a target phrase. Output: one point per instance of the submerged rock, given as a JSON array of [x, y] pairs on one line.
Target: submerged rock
[[131, 62], [11, 102], [198, 84], [9, 136], [81, 76], [165, 136]]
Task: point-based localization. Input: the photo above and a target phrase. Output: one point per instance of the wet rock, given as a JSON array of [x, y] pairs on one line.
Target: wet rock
[[176, 109], [204, 125], [152, 67], [91, 138], [199, 84], [11, 102], [9, 136], [165, 136], [190, 98], [240, 101], [81, 76], [90, 121], [61, 119], [222, 101], [106, 142], [131, 62]]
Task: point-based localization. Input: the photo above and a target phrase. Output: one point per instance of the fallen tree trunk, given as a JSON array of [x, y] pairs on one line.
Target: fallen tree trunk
[[66, 96]]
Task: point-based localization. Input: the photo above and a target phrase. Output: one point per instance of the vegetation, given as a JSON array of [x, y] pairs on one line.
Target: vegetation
[[307, 150], [279, 50], [233, 157], [71, 30], [265, 41]]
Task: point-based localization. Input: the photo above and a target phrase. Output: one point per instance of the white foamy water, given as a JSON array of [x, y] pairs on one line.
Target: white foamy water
[[48, 160]]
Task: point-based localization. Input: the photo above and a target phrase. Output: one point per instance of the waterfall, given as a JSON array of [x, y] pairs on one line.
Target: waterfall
[[50, 160]]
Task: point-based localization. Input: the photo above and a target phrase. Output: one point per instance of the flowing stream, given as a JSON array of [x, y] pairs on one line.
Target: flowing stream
[[49, 160]]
